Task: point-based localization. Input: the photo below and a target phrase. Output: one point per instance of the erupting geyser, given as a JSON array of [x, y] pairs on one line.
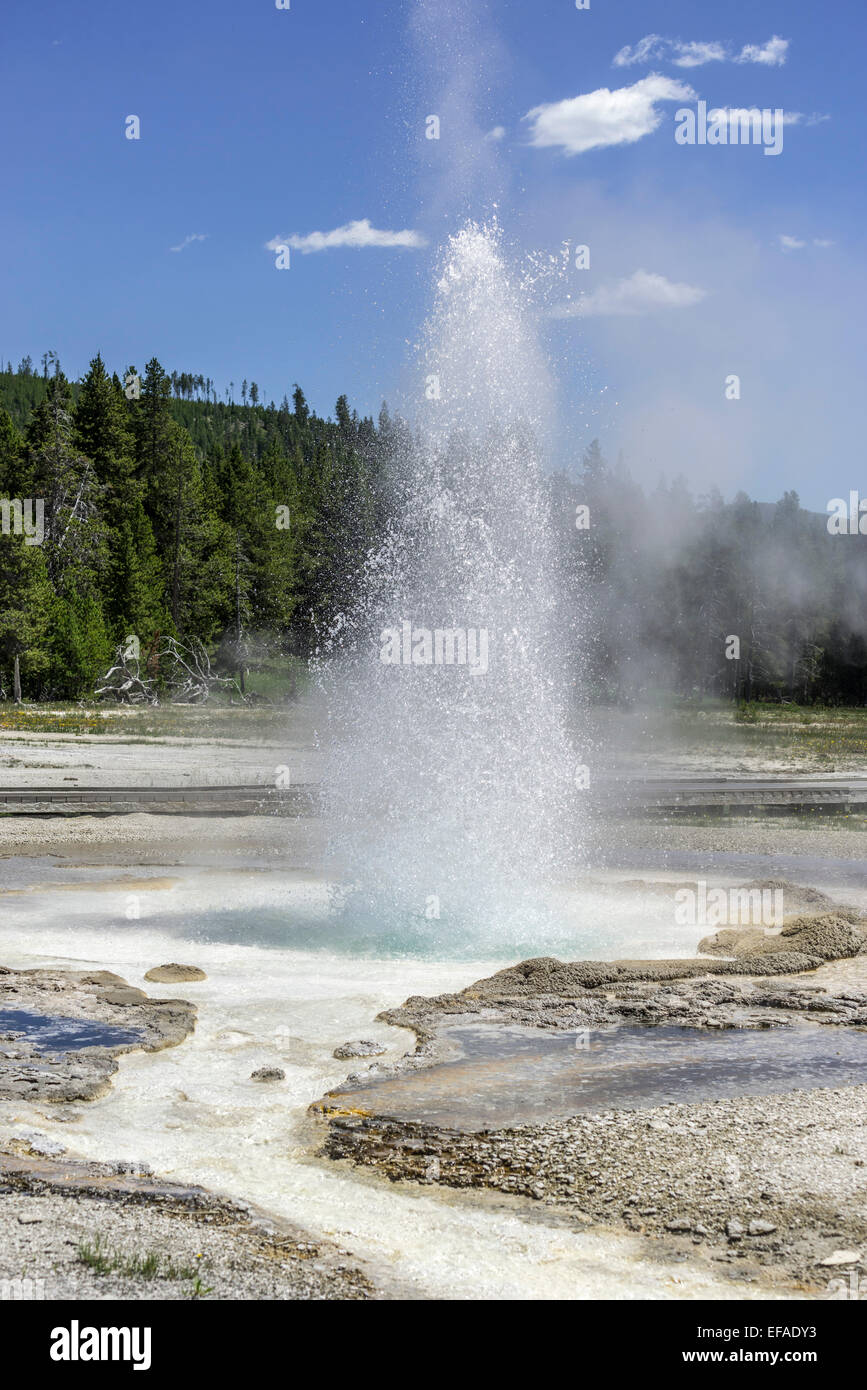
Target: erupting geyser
[[452, 787]]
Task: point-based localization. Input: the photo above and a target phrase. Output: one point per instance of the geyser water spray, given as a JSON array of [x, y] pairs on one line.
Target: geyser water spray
[[452, 790]]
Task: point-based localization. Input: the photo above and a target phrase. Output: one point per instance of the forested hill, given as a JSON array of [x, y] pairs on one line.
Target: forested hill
[[166, 513], [175, 514], [211, 422]]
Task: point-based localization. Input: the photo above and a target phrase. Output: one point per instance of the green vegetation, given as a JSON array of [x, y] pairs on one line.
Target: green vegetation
[[240, 526], [757, 736], [150, 1265], [143, 723], [832, 735]]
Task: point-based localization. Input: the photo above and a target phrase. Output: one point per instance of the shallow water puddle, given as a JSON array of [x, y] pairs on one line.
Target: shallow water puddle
[[57, 1034], [512, 1076]]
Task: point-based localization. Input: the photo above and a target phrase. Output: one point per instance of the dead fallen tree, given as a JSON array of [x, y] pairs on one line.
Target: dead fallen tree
[[176, 671]]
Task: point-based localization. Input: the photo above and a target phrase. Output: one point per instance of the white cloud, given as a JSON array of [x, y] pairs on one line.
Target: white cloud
[[188, 241], [640, 293], [772, 54], [793, 243], [695, 53], [643, 51], [354, 234], [602, 118], [497, 133]]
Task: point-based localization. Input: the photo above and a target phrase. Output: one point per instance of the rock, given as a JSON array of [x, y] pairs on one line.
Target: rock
[[734, 1229], [38, 1143], [761, 1228], [680, 1223], [362, 1048], [545, 975], [822, 936], [732, 941], [840, 1257], [33, 1070], [775, 962], [175, 974], [817, 925], [829, 936], [127, 995], [268, 1074]]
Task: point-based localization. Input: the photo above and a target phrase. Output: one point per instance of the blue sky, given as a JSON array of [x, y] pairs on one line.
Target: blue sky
[[260, 125]]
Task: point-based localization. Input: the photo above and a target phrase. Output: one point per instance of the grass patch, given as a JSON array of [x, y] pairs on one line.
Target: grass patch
[[816, 738], [274, 689], [21, 719], [103, 1260], [147, 723], [826, 735]]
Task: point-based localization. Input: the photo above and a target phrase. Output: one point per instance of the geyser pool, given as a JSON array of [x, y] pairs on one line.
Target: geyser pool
[[510, 1076], [54, 1033]]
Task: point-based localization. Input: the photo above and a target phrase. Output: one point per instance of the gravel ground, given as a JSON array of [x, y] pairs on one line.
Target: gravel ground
[[99, 761], [57, 1218], [774, 837], [168, 840], [150, 839], [777, 1183]]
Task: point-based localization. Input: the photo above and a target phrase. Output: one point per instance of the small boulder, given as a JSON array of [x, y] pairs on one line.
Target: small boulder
[[362, 1048], [122, 997], [680, 1223], [761, 1228], [840, 1257], [37, 1143], [175, 974], [268, 1074], [732, 941]]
